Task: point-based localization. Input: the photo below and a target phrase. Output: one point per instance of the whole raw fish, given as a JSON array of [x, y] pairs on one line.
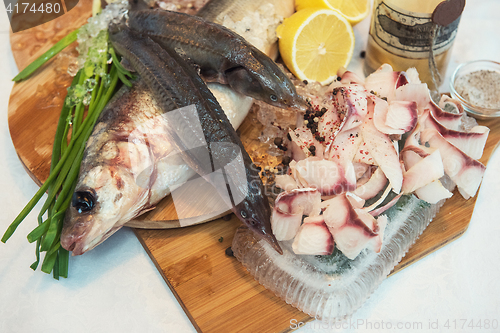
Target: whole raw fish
[[112, 187], [221, 55], [108, 193]]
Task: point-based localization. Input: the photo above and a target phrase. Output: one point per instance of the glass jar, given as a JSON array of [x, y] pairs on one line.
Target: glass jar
[[404, 34]]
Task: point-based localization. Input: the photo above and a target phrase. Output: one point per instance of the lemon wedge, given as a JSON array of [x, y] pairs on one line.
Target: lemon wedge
[[314, 43], [354, 10]]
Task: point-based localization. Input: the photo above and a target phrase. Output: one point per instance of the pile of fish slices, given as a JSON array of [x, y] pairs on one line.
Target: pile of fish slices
[[169, 116]]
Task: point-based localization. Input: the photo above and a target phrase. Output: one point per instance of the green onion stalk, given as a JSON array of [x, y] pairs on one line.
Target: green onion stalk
[[91, 89]]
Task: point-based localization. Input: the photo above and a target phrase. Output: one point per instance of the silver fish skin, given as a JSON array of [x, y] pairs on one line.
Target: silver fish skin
[[124, 173], [221, 55], [175, 84]]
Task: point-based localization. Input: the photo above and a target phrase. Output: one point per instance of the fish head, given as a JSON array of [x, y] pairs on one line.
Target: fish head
[[254, 211], [282, 93], [103, 201], [274, 89]]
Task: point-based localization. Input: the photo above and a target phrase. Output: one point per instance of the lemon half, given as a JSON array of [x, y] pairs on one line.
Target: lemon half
[[353, 10], [314, 43]]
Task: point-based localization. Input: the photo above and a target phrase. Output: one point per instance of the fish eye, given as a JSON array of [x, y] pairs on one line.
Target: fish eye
[[83, 201], [273, 98], [243, 214]]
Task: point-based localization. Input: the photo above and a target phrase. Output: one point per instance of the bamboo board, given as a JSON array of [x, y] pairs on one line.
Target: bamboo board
[[216, 292]]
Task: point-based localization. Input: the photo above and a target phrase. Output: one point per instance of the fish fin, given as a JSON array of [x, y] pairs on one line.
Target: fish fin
[[127, 65], [213, 76], [187, 59], [145, 210], [136, 5]]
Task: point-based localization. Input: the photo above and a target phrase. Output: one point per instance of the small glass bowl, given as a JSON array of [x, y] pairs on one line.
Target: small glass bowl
[[469, 67]]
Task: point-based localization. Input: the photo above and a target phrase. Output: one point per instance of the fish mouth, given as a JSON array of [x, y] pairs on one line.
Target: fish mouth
[[271, 240], [299, 104], [264, 231], [78, 242]]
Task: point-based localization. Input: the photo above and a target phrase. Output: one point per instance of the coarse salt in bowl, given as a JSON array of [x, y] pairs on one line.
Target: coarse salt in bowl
[[476, 85]]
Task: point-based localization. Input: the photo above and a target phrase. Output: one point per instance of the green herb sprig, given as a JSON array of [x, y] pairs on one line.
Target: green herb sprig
[[54, 50], [90, 91]]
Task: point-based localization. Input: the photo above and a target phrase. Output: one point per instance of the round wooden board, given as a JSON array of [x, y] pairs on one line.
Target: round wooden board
[[35, 105]]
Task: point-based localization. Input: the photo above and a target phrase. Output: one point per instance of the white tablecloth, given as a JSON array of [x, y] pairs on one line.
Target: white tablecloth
[[116, 288]]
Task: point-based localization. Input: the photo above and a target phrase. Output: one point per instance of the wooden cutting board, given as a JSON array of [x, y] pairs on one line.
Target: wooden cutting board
[[215, 290]]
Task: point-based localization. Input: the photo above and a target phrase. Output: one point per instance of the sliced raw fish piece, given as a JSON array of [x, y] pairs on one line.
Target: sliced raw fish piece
[[363, 155], [412, 75], [412, 143], [285, 225], [433, 192], [402, 115], [412, 155], [375, 184], [465, 171], [304, 200], [286, 182], [471, 143], [376, 243], [382, 209], [414, 92], [449, 112], [348, 77], [351, 102], [325, 175], [363, 172], [345, 146], [396, 117], [313, 238], [424, 172], [329, 125], [302, 138], [353, 234], [354, 200], [383, 152], [450, 105], [382, 83], [338, 211]]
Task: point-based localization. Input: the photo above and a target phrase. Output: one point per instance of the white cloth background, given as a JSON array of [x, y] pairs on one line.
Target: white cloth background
[[116, 288]]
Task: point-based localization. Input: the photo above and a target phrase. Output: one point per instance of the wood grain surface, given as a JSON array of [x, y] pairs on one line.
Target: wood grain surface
[[214, 289]]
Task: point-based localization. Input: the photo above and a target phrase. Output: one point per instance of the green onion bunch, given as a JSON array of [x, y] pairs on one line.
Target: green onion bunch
[[91, 89]]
